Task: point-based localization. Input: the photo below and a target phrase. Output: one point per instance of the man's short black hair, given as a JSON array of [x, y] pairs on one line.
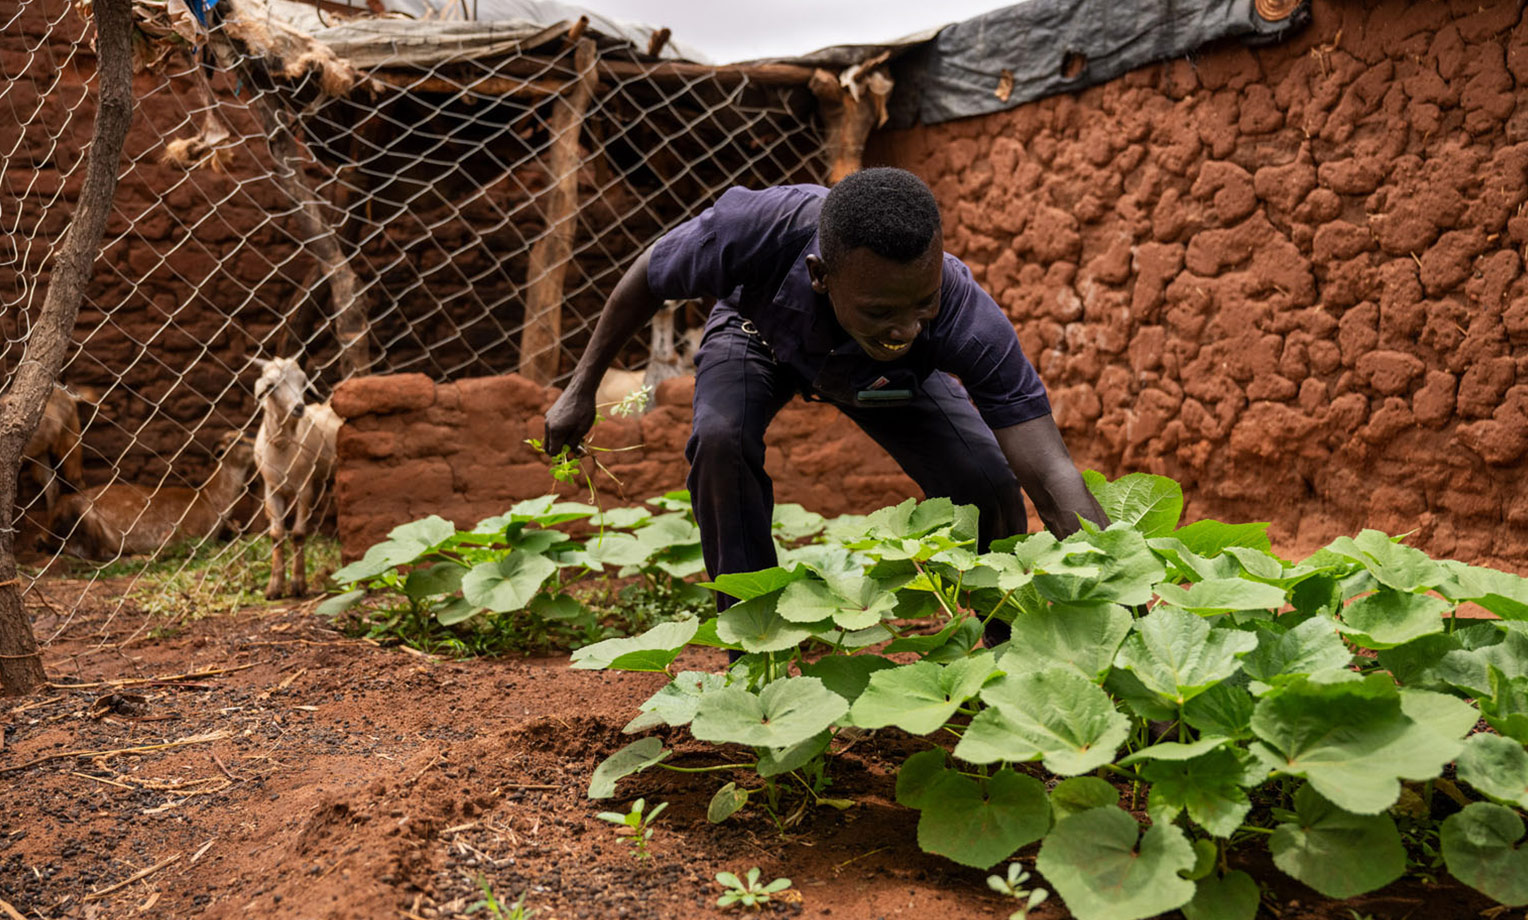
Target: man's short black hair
[[888, 211]]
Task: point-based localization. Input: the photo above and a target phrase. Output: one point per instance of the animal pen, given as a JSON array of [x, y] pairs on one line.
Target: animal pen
[[367, 190]]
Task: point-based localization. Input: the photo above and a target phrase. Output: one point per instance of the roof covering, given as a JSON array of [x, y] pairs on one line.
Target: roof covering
[[986, 64]]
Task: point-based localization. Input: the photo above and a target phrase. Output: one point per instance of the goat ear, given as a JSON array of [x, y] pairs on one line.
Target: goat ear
[[260, 363]]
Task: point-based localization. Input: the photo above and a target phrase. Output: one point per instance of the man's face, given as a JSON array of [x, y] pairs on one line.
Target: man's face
[[882, 304]]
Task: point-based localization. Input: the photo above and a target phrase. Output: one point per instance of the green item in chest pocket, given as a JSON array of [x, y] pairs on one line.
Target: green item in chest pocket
[[871, 396]]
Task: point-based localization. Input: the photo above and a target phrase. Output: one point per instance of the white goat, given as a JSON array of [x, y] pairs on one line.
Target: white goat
[[666, 359], [294, 452], [121, 518]]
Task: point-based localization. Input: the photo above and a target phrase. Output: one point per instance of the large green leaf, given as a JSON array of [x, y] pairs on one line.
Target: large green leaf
[[1055, 714], [614, 549], [1392, 564], [675, 703], [1469, 669], [850, 601], [1176, 654], [548, 511], [920, 697], [784, 713], [1356, 739], [1084, 637], [1207, 538], [1481, 848], [1497, 767], [1282, 655], [775, 761], [981, 822], [1105, 869], [508, 584], [1110, 566], [1506, 709], [634, 757], [1184, 564], [746, 586], [1335, 852], [1502, 593], [1221, 595], [846, 675], [1209, 787], [404, 544], [1224, 709], [793, 522], [917, 776], [429, 581], [1415, 664], [654, 650], [1233, 896], [1389, 618], [757, 626], [1081, 793], [1150, 504]]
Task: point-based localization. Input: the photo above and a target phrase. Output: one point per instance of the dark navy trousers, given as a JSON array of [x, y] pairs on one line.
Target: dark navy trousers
[[937, 437]]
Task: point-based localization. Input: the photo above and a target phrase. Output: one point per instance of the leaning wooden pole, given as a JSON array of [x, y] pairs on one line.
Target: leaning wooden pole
[[22, 404], [347, 309], [541, 338]]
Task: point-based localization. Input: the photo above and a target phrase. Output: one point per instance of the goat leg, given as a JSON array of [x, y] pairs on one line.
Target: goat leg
[[275, 511], [299, 541]]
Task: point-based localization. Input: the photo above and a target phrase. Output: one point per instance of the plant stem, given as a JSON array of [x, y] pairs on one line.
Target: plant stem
[[1256, 830], [715, 769]]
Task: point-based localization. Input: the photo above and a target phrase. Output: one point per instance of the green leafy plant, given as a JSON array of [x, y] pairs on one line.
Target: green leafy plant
[[1300, 699], [1013, 887], [747, 892], [490, 903], [635, 825]]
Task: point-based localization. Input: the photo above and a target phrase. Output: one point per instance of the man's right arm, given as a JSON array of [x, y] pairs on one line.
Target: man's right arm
[[630, 306]]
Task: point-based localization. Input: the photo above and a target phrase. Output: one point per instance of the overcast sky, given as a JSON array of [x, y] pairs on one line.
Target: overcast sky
[[737, 30]]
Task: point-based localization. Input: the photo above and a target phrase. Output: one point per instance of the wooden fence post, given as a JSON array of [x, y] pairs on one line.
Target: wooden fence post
[[852, 104], [541, 337]]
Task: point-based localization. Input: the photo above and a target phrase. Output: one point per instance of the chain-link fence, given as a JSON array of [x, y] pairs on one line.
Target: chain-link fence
[[450, 206]]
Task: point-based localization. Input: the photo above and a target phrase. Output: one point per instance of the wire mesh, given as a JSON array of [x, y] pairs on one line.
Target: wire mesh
[[402, 223]]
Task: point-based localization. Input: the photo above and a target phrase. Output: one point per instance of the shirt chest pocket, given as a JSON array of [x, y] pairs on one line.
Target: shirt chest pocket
[[862, 384]]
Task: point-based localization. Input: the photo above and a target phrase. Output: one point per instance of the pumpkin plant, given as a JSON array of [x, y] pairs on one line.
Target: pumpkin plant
[[1252, 701]]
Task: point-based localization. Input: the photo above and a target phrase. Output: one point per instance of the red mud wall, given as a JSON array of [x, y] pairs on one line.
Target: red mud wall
[[1291, 278], [410, 448]]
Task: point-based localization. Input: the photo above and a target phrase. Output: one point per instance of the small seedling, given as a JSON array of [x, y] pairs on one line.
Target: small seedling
[[515, 911], [636, 827], [1013, 886], [748, 893]]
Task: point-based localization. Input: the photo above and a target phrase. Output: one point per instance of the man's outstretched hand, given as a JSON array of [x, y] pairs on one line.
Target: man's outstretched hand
[[569, 419]]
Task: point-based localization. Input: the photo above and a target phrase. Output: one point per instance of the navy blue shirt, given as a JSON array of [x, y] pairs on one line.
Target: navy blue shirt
[[749, 251]]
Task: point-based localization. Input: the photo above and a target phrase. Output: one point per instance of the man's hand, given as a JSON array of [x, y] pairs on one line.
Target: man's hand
[[569, 419], [1044, 467]]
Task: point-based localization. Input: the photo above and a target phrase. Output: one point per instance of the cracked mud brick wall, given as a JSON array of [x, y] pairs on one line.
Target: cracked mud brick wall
[[1291, 277]]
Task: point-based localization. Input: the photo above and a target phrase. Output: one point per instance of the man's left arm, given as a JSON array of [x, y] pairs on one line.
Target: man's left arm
[[1044, 467]]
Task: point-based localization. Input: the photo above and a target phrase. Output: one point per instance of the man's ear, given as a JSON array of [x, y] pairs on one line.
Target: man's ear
[[819, 272]]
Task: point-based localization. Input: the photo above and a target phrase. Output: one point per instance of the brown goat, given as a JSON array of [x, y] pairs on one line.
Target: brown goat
[[54, 448], [122, 518]]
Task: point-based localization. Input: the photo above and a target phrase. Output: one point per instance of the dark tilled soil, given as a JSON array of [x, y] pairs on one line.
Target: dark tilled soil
[[318, 776]]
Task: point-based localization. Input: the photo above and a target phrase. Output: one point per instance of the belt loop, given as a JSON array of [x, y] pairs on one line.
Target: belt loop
[[748, 327]]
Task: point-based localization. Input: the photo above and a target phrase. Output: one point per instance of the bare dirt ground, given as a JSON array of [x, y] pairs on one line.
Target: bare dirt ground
[[303, 774]]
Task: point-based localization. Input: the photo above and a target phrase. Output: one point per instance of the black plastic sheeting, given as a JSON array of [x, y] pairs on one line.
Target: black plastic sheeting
[[1056, 46]]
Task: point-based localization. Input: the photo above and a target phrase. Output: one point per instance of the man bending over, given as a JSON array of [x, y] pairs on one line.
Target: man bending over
[[848, 297]]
